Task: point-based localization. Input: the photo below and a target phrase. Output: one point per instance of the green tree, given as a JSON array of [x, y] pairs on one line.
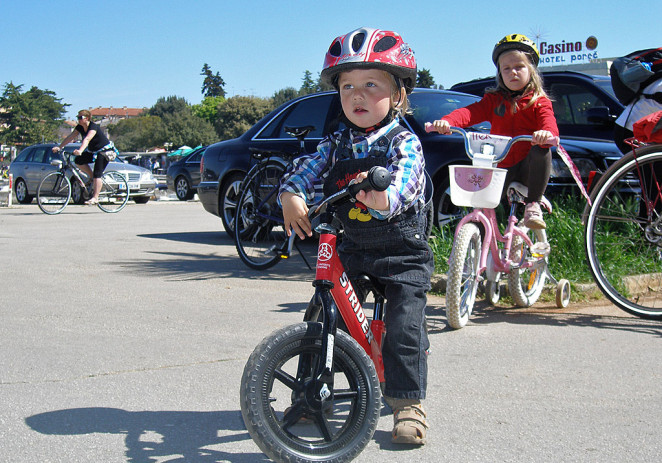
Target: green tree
[[213, 83], [185, 128], [308, 85], [29, 117], [239, 113], [169, 105], [424, 79], [321, 86], [284, 95], [208, 108], [171, 120], [138, 133]]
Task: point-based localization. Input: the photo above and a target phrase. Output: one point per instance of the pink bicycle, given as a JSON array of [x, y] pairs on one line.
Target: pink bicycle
[[481, 253]]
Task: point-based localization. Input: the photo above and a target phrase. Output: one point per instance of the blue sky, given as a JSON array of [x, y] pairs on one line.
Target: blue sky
[[130, 53]]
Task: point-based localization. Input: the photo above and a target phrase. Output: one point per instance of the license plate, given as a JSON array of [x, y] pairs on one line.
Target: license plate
[[134, 186]]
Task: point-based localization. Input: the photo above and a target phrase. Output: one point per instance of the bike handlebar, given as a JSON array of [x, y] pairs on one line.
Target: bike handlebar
[[378, 179], [553, 141]]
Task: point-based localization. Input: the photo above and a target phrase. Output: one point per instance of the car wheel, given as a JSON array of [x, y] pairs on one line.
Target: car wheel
[[141, 199], [21, 190], [77, 195], [445, 212], [227, 201], [182, 188]]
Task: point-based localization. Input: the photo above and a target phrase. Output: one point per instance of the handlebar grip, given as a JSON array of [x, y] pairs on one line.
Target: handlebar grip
[[379, 178]]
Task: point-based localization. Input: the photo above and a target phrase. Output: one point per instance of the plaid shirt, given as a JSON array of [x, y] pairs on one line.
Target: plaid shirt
[[405, 161]]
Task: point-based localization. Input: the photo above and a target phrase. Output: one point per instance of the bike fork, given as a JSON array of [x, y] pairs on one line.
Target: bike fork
[[320, 389]]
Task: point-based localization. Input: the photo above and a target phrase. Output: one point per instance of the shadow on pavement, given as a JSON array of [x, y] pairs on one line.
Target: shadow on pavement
[[153, 435], [549, 315], [193, 266]]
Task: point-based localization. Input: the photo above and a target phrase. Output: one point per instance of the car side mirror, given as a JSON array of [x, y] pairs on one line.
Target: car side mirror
[[600, 115]]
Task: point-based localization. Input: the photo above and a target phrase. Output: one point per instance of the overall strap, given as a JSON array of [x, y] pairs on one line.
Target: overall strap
[[343, 149]]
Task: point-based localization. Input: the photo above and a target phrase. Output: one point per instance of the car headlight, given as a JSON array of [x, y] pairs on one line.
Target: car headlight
[[560, 170], [147, 177]]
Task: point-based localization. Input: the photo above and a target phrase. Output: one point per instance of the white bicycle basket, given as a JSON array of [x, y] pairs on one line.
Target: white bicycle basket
[[476, 186]]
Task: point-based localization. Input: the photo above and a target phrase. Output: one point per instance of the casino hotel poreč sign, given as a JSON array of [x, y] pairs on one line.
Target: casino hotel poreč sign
[[568, 52]]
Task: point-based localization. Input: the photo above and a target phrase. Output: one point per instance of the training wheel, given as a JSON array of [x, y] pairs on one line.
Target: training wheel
[[492, 292], [563, 293]]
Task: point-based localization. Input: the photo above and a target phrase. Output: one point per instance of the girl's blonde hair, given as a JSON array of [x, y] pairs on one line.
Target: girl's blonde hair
[[535, 84]]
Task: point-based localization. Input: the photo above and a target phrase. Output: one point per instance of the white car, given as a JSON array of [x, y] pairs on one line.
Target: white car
[[34, 163]]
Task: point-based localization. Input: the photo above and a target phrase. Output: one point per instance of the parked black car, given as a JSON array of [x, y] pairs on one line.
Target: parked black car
[[225, 164], [585, 106], [183, 175]]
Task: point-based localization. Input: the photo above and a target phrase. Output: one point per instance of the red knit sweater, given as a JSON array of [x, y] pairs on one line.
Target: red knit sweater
[[495, 109]]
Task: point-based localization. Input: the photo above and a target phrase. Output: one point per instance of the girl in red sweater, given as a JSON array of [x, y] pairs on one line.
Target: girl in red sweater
[[517, 106]]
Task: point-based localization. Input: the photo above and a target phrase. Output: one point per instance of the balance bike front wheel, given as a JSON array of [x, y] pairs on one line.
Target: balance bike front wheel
[[280, 404]]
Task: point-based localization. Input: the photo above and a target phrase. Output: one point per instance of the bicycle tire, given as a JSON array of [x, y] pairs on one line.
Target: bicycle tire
[[526, 284], [53, 193], [623, 247], [114, 192], [274, 382], [463, 275], [260, 237]]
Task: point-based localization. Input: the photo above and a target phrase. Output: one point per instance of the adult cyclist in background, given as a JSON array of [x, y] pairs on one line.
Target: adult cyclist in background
[[95, 147]]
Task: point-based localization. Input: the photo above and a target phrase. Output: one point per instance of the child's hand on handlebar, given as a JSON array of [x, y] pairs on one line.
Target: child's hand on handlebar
[[295, 215], [544, 138], [441, 126], [377, 200]]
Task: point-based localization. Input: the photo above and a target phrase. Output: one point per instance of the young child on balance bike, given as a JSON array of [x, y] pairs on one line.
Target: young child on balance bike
[[384, 232]]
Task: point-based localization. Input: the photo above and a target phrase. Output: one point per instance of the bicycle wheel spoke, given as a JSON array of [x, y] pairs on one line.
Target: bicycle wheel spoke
[[285, 378]]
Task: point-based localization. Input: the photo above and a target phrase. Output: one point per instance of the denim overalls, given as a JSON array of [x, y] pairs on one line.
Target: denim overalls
[[395, 252]]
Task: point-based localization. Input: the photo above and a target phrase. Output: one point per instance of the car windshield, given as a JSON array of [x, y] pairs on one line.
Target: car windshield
[[605, 84], [430, 106]]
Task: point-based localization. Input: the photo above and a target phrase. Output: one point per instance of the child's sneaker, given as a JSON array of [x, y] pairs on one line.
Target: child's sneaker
[[533, 217]]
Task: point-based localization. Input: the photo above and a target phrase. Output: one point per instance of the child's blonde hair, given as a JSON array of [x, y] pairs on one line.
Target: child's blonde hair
[[399, 97], [535, 84]]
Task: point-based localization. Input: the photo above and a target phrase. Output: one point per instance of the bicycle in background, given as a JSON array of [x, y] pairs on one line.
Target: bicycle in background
[[623, 232], [481, 253], [260, 236], [54, 191]]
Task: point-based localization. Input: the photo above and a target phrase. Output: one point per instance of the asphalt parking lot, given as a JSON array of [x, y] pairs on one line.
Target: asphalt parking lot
[[123, 338]]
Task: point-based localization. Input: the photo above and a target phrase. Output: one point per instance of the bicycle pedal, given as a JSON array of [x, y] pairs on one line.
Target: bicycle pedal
[[541, 250]]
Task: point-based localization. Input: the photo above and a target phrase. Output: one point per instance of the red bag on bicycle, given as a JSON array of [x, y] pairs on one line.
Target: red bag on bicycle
[[648, 129]]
